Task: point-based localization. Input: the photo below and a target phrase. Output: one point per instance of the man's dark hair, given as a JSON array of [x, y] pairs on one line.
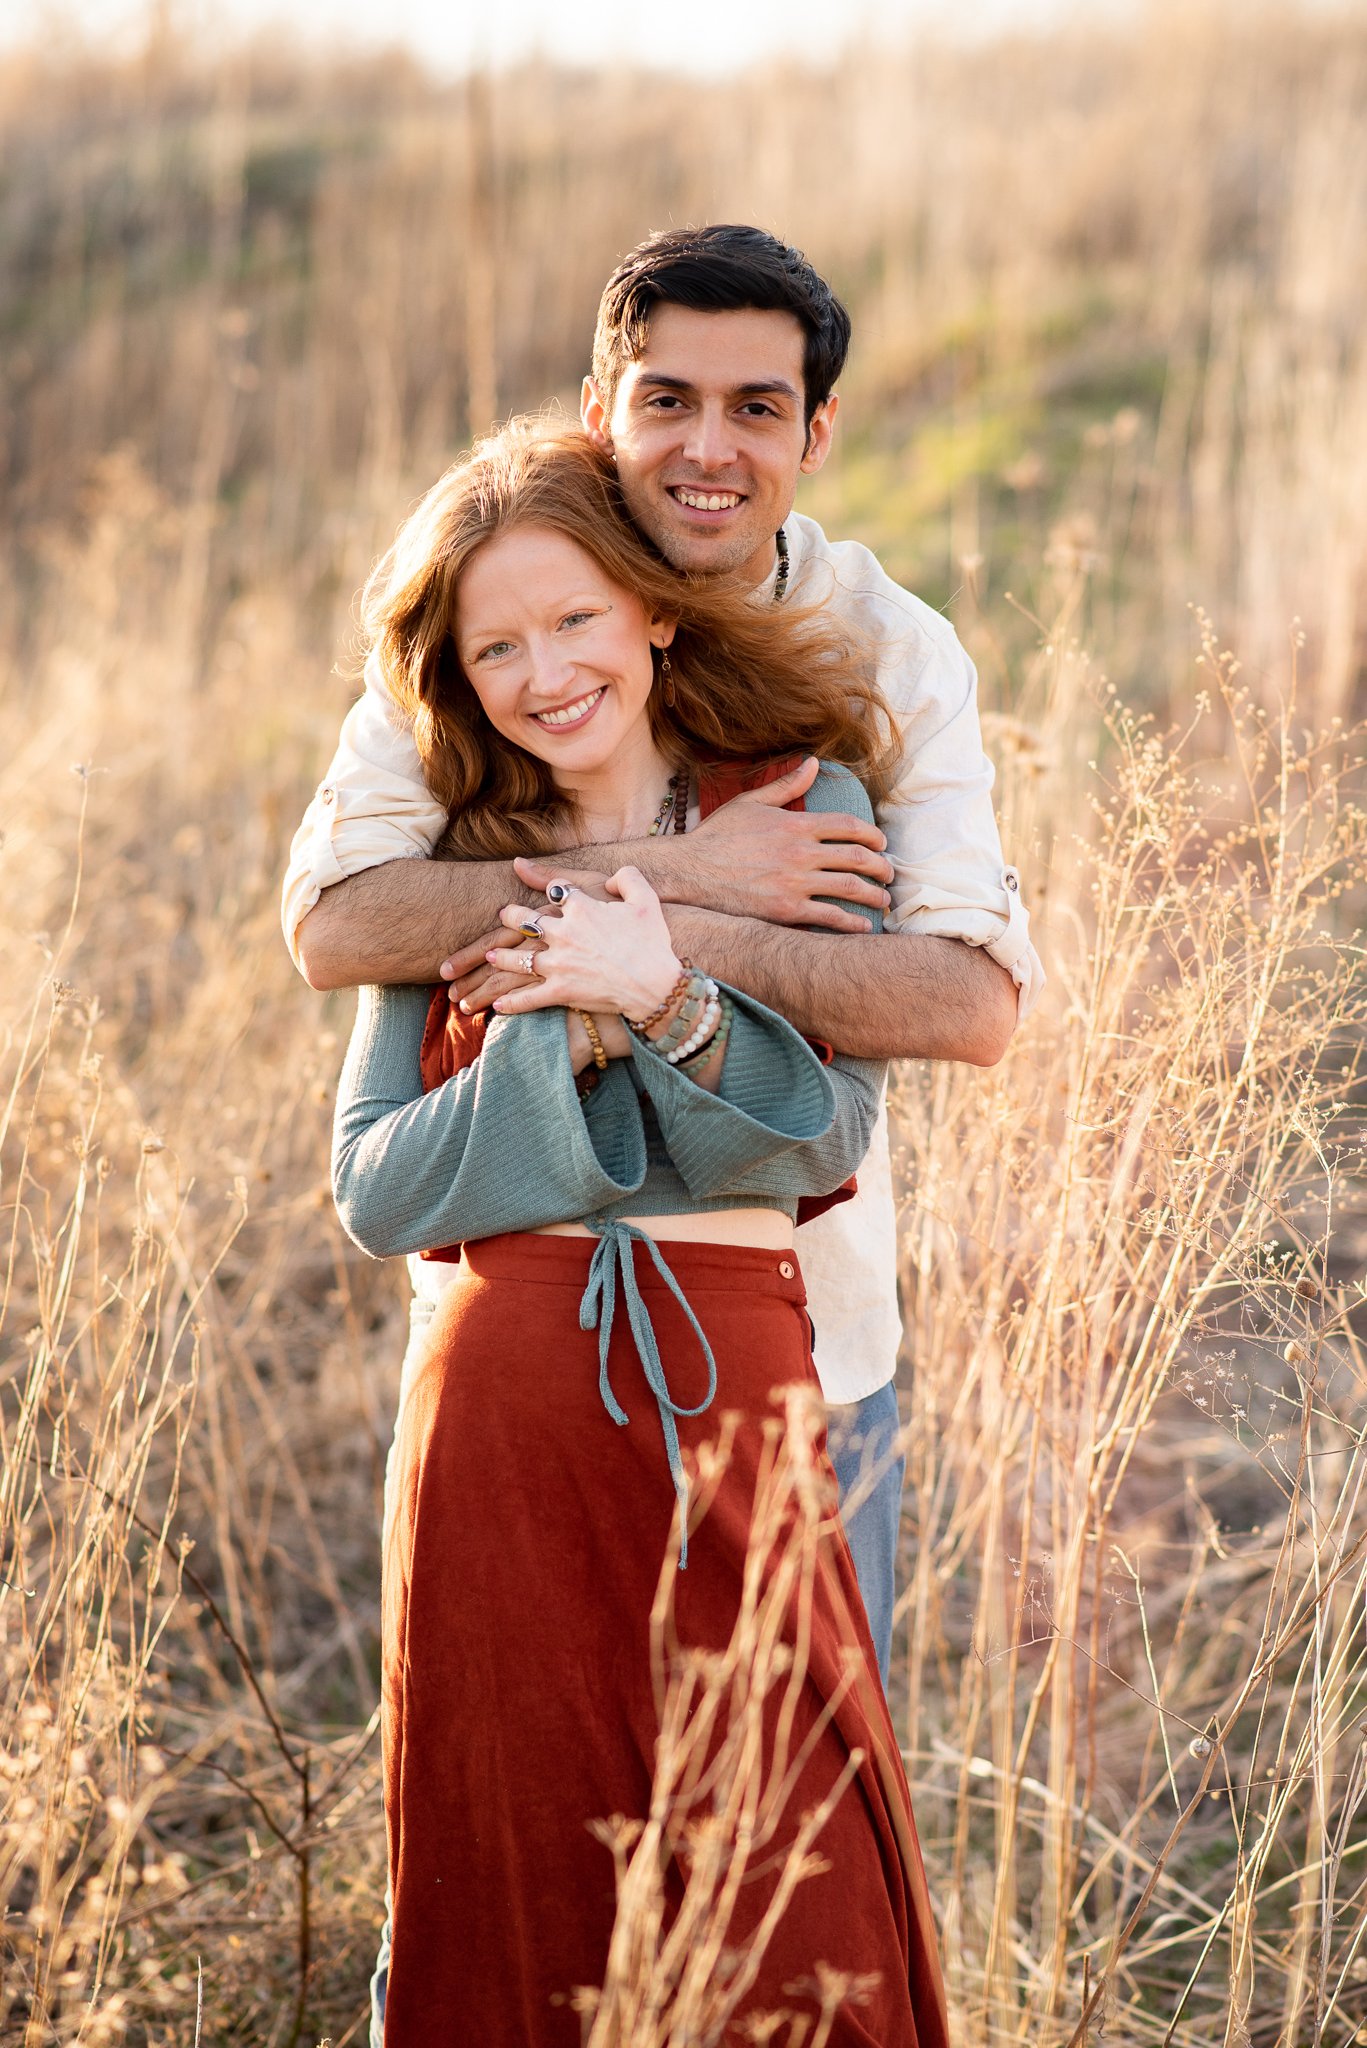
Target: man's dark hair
[[720, 269]]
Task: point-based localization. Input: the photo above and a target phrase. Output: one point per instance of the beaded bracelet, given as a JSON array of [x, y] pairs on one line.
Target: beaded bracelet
[[686, 971], [596, 1046], [708, 1051], [706, 1025], [680, 1027]]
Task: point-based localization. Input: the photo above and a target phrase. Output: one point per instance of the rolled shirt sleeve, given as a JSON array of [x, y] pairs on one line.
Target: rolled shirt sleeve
[[372, 806], [950, 878]]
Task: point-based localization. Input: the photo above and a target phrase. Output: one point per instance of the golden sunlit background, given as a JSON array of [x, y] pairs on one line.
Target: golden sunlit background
[[1107, 408]]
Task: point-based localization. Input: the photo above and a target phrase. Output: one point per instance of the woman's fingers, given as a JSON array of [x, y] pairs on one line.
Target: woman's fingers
[[539, 874], [520, 917], [513, 960], [629, 885]]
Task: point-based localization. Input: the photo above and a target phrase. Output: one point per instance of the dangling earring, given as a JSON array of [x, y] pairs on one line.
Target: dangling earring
[[667, 689]]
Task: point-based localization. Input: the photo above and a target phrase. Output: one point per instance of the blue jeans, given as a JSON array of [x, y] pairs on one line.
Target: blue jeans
[[860, 1439]]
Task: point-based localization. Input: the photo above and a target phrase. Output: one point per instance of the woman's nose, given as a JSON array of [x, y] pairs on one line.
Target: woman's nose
[[548, 668]]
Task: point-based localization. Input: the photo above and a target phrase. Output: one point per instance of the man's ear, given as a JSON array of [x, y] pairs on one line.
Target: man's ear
[[594, 416], [819, 434]]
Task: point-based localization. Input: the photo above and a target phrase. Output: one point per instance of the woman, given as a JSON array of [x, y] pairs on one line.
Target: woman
[[618, 1179]]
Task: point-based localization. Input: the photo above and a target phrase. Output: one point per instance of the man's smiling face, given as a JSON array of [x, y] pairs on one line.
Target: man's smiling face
[[708, 430]]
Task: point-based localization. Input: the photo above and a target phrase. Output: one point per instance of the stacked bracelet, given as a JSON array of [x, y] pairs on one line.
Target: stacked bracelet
[[711, 1046], [699, 992], [703, 1030]]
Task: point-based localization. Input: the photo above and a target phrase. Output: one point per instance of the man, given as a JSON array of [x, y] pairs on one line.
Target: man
[[715, 362]]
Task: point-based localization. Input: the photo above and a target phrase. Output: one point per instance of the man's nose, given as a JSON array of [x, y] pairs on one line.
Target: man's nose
[[710, 442]]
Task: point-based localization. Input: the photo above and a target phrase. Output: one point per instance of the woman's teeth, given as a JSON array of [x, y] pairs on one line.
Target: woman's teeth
[[719, 501], [570, 714]]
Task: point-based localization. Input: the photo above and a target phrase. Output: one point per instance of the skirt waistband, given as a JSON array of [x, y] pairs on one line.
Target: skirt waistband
[[699, 1268]]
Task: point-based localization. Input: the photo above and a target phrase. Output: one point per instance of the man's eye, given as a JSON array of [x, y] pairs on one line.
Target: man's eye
[[666, 401], [757, 409]]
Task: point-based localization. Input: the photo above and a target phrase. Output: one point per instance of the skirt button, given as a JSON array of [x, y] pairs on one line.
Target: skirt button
[[787, 1269]]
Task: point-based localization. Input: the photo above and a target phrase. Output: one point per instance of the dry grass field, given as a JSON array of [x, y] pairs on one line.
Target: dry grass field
[[1108, 407]]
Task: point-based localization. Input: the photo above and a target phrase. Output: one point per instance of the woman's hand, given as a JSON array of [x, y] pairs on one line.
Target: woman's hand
[[615, 956]]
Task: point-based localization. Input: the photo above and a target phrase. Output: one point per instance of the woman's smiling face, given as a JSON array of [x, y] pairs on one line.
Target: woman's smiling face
[[558, 655]]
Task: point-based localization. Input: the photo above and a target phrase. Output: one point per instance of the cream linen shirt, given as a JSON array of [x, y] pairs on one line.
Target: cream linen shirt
[[949, 881]]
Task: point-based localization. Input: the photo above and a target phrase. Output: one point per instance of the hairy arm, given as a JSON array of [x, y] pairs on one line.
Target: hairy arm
[[396, 923], [897, 996]]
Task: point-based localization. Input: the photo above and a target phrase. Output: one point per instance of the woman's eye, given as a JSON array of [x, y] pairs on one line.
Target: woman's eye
[[575, 618], [494, 650]]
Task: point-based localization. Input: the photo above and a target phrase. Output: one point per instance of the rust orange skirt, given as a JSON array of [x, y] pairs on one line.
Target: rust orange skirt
[[522, 1556]]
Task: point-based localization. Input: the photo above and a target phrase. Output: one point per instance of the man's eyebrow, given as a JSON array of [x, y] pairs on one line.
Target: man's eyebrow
[[759, 387]]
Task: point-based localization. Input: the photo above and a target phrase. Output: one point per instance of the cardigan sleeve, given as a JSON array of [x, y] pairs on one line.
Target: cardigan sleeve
[[781, 1124], [503, 1145]]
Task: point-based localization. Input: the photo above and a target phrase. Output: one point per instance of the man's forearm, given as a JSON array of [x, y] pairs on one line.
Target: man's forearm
[[895, 996], [398, 922]]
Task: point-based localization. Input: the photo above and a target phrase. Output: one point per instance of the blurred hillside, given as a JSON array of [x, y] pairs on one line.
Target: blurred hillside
[[1107, 288]]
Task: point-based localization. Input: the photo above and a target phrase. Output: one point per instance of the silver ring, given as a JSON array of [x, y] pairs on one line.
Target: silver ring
[[556, 892], [528, 963], [531, 926]]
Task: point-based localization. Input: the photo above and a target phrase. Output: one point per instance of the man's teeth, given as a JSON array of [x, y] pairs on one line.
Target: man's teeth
[[571, 713], [719, 501]]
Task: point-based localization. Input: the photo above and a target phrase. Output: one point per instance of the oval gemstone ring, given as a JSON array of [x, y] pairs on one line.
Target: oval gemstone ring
[[532, 928], [556, 892]]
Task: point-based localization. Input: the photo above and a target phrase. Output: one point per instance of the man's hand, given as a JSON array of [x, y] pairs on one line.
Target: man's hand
[[752, 858]]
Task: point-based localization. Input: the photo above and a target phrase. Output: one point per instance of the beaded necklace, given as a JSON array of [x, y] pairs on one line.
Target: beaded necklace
[[672, 815], [781, 578]]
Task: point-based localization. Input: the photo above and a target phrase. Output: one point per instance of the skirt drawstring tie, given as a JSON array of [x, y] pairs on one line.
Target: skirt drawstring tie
[[612, 1254]]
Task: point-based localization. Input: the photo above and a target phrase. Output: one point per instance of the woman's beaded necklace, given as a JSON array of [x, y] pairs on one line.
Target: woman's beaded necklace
[[672, 815]]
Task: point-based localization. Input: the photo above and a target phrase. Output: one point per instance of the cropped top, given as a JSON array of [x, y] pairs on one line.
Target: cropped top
[[506, 1144]]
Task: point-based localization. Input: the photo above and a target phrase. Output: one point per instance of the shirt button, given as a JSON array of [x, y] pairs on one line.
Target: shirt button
[[1011, 880], [787, 1269], [327, 794]]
